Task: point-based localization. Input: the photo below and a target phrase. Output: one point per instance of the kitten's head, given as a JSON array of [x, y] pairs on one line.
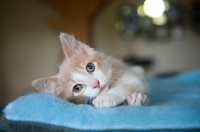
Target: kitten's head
[[83, 75]]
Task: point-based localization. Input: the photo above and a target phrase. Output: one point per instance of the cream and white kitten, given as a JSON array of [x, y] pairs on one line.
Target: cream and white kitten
[[89, 76]]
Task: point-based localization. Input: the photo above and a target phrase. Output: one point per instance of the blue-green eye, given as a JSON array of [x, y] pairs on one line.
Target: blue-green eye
[[90, 67], [77, 88]]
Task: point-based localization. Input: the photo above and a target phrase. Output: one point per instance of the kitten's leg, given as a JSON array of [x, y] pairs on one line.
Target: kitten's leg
[[110, 98], [116, 95], [136, 99]]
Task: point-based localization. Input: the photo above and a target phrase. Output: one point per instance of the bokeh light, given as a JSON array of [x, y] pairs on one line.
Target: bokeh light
[[154, 8], [160, 20], [140, 11]]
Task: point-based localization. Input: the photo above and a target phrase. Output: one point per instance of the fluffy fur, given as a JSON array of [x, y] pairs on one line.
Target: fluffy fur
[[89, 76]]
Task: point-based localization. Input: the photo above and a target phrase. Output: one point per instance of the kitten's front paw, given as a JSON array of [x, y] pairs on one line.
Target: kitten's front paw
[[106, 100], [136, 99]]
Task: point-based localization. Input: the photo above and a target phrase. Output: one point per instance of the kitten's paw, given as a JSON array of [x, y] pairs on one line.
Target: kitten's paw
[[106, 100], [136, 99]]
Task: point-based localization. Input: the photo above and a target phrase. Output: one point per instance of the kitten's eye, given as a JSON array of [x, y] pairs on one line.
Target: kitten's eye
[[77, 88], [90, 67]]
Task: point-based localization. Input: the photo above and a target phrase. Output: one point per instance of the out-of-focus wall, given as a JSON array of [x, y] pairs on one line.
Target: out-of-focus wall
[[169, 56], [28, 47]]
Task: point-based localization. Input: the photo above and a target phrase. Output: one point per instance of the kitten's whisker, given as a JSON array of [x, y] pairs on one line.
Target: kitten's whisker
[[79, 100], [111, 81], [118, 67], [114, 72], [112, 54], [114, 68], [123, 63], [85, 99]]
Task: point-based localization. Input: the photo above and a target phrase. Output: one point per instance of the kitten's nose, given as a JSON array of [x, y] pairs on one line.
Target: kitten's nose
[[96, 84]]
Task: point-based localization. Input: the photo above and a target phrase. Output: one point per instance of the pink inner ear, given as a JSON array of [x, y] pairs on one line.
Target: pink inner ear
[[46, 85], [69, 44]]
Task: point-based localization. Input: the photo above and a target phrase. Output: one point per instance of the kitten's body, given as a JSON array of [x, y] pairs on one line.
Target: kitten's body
[[86, 74]]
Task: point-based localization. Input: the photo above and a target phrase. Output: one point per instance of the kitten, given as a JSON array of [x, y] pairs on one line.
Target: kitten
[[89, 76]]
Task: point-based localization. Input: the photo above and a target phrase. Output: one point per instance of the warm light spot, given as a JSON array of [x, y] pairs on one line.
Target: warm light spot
[[160, 20], [140, 11], [167, 5], [154, 8]]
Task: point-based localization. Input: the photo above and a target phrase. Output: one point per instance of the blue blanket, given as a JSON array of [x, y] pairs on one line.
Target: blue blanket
[[175, 104]]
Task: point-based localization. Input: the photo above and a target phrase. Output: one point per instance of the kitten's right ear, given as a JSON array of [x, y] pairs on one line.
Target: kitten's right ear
[[69, 44], [46, 85]]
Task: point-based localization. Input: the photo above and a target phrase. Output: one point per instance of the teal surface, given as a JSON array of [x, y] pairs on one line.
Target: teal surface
[[175, 104]]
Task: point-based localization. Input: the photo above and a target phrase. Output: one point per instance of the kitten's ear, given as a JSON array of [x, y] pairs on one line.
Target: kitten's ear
[[46, 85], [70, 45]]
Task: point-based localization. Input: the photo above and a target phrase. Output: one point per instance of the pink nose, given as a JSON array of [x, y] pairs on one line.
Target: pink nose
[[96, 84]]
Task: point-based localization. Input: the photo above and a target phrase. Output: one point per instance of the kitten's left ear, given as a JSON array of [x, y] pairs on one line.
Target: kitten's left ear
[[70, 45], [46, 85]]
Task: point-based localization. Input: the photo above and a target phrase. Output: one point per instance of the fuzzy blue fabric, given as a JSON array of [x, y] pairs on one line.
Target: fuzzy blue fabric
[[175, 104]]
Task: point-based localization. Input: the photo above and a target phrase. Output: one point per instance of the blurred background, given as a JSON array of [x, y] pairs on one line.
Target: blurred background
[[163, 36]]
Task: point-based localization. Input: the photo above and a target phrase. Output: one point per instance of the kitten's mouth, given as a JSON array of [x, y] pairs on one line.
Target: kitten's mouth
[[102, 89]]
